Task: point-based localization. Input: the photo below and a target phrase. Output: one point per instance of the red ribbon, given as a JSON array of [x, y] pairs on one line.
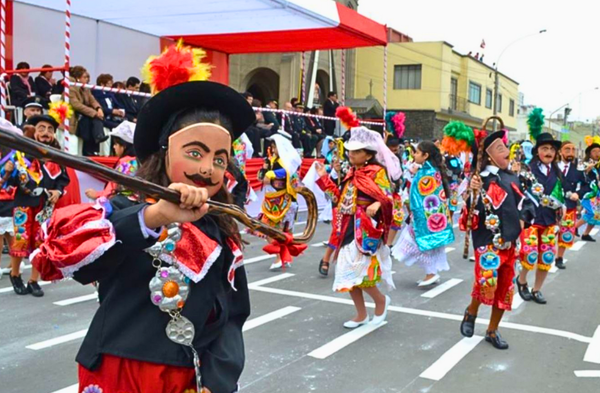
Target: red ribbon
[[286, 250]]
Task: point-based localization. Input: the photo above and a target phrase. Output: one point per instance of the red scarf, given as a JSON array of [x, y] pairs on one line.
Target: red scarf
[[364, 181]]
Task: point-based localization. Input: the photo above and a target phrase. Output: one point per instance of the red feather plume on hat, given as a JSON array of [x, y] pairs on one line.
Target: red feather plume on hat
[[177, 64], [347, 117]]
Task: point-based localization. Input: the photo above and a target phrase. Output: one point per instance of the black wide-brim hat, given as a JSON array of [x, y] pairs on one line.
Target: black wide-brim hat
[[591, 147], [546, 138], [486, 143], [157, 113], [34, 120]]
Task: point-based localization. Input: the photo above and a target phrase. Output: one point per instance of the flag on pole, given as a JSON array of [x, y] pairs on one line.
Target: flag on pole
[[482, 44]]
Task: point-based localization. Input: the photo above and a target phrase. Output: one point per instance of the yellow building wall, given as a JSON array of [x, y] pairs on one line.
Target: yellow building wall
[[439, 64]]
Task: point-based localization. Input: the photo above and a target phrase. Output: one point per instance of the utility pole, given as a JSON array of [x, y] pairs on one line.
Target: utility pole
[[496, 85]]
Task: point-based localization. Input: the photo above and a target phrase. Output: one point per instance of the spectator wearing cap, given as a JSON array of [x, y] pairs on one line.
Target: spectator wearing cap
[[87, 121], [307, 140], [32, 106], [270, 117], [44, 82], [113, 111], [21, 85], [130, 102]]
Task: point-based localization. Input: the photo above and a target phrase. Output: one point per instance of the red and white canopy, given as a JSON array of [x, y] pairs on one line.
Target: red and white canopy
[[238, 26]]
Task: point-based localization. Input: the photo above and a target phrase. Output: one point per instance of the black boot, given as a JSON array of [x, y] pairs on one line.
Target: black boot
[[467, 326], [18, 285], [34, 288], [538, 297], [524, 291], [560, 264], [588, 238], [496, 340]]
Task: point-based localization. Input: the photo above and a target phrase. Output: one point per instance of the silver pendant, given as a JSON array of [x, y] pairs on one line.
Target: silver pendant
[[181, 331]]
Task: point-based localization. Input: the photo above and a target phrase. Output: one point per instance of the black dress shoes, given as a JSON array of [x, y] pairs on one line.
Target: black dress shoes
[[18, 285], [538, 297], [496, 340], [34, 288], [560, 264], [467, 326], [524, 291], [588, 238]]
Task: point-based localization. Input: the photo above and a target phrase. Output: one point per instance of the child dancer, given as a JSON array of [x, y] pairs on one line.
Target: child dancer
[[423, 242], [280, 177], [362, 222], [496, 228]]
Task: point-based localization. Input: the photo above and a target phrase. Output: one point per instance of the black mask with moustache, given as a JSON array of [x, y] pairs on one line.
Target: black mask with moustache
[[200, 180]]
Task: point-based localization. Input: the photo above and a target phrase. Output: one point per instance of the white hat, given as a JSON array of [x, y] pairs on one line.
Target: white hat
[[283, 133], [125, 131], [362, 138]]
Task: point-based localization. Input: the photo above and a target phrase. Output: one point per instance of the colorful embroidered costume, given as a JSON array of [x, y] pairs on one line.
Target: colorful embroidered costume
[[591, 200], [7, 197], [423, 241], [31, 206], [127, 165], [539, 241], [454, 168], [573, 182], [279, 206], [496, 229], [363, 259]]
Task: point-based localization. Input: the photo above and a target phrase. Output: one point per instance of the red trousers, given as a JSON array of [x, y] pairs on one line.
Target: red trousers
[[119, 375]]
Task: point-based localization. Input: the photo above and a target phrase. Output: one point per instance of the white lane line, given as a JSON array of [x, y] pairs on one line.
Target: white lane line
[[319, 244], [517, 301], [577, 246], [553, 269], [594, 232], [69, 389], [258, 321], [279, 277], [258, 259], [587, 373], [58, 340], [427, 313], [80, 299], [442, 288], [592, 354], [300, 223], [444, 364], [26, 267], [10, 289], [450, 249], [343, 341], [297, 234]]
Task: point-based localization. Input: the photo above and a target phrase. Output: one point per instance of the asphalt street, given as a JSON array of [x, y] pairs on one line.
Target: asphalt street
[[295, 341]]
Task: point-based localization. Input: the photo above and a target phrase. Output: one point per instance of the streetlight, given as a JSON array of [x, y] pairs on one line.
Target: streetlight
[[496, 80], [567, 104]]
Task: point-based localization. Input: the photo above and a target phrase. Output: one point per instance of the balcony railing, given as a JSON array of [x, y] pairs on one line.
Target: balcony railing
[[457, 103]]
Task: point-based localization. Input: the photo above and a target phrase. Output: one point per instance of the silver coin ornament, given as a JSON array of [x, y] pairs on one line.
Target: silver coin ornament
[[181, 331]]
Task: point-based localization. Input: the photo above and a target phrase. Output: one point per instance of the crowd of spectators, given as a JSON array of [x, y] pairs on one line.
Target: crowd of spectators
[[305, 132], [95, 111]]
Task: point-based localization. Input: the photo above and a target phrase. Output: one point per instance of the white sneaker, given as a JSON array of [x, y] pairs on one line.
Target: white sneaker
[[378, 319], [433, 280], [276, 265], [354, 325]]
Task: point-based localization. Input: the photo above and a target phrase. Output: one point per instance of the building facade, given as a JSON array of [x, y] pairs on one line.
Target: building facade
[[279, 75], [434, 84]]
